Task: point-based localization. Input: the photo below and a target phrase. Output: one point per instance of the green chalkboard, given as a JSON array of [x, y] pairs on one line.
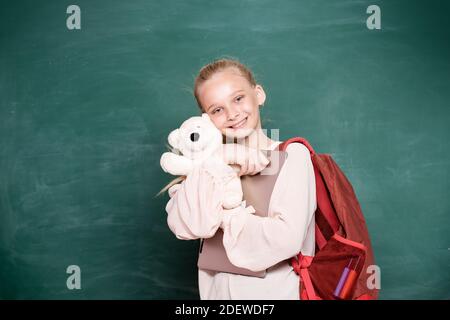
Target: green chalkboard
[[85, 114]]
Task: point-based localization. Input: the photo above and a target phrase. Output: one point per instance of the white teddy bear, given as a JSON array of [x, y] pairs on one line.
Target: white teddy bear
[[199, 142]]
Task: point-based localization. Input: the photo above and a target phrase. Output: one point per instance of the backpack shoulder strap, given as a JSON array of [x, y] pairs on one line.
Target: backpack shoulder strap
[[325, 213], [284, 144]]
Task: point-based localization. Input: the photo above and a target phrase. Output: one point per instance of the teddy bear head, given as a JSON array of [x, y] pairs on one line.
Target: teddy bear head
[[197, 137]]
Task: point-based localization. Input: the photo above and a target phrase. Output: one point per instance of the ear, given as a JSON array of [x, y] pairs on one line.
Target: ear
[[174, 138], [206, 116], [260, 94]]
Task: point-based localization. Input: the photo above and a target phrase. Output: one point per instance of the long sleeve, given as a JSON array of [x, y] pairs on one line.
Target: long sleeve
[[195, 208], [255, 242]]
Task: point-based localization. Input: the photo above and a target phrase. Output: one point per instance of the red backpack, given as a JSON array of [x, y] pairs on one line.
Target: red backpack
[[338, 270]]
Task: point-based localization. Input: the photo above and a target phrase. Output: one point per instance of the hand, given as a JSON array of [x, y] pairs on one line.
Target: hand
[[228, 213], [240, 209], [251, 161]]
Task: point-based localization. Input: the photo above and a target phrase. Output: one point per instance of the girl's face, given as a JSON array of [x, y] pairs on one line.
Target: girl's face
[[232, 103]]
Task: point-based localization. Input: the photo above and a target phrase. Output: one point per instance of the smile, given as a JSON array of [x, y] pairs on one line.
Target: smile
[[239, 124]]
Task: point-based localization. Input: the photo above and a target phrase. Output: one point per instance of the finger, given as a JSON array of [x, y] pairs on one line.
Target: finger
[[263, 162], [236, 168], [251, 168], [244, 167], [257, 170], [242, 170], [263, 159], [257, 167], [248, 162]]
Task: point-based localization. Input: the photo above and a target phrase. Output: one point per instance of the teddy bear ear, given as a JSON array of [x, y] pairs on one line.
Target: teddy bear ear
[[174, 138], [205, 116]]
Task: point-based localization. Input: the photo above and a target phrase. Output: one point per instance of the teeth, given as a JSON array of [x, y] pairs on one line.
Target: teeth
[[239, 124]]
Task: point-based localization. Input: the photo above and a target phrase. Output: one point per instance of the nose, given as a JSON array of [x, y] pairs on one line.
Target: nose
[[233, 114], [194, 136]]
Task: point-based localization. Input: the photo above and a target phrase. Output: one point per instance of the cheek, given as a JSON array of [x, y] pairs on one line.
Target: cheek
[[251, 108], [219, 121], [252, 112]]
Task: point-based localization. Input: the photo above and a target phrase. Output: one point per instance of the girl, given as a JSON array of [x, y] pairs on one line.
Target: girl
[[226, 90]]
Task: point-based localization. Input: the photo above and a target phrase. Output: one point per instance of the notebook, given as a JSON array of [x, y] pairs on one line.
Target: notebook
[[257, 190]]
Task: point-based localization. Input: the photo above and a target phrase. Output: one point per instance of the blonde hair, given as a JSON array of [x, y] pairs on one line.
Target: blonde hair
[[205, 73], [171, 183]]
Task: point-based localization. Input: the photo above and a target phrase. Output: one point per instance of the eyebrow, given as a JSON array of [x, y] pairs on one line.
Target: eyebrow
[[207, 110]]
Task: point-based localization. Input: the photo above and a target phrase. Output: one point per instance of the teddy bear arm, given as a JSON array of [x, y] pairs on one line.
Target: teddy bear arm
[[175, 164]]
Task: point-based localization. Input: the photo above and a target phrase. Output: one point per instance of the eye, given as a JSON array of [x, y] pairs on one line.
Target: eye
[[216, 110], [239, 98], [194, 136]]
